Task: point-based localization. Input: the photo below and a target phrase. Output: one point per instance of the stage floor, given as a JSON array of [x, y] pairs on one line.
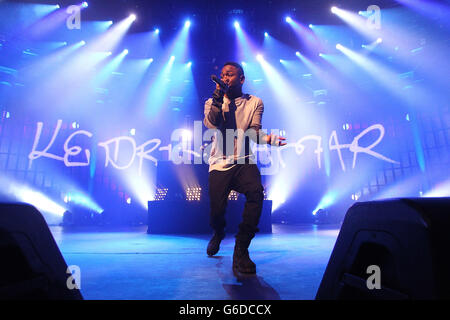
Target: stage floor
[[130, 264]]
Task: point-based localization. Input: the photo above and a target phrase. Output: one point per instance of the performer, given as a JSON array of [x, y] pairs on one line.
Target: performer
[[228, 111]]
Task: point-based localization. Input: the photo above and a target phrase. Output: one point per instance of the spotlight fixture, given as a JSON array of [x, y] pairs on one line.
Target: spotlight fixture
[[187, 24], [85, 4], [125, 51], [266, 34], [339, 46], [236, 24], [297, 54], [189, 64], [157, 31], [379, 40], [288, 19], [259, 57], [193, 193], [334, 9], [133, 17], [161, 194], [310, 26]]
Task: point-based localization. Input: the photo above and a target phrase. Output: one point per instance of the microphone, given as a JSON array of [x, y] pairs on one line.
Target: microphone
[[222, 85]]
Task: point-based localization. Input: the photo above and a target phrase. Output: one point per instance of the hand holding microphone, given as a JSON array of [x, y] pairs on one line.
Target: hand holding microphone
[[219, 82], [221, 89]]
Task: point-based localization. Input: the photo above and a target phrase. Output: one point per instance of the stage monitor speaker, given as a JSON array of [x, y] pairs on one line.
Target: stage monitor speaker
[[391, 249], [31, 266]]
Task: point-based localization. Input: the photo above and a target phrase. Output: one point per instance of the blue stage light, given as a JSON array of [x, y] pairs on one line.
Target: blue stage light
[[125, 51], [259, 57], [157, 31], [84, 4], [189, 64], [334, 10], [311, 26], [133, 17], [236, 24], [187, 24], [266, 34], [297, 54], [288, 19]]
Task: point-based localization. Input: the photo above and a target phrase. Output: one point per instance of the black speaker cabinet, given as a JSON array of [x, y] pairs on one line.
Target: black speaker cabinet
[[391, 249], [31, 265]]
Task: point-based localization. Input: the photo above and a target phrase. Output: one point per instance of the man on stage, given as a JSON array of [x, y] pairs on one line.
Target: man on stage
[[231, 163]]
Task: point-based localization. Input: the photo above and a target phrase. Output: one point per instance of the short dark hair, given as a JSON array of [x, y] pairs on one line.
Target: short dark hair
[[236, 65]]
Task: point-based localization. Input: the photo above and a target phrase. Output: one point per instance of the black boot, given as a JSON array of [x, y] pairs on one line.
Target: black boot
[[241, 259], [214, 243]]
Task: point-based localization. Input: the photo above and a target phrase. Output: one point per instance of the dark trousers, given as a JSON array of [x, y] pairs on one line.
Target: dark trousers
[[245, 179]]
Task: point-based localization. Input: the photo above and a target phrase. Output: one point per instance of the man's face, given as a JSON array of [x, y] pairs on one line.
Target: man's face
[[230, 76]]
